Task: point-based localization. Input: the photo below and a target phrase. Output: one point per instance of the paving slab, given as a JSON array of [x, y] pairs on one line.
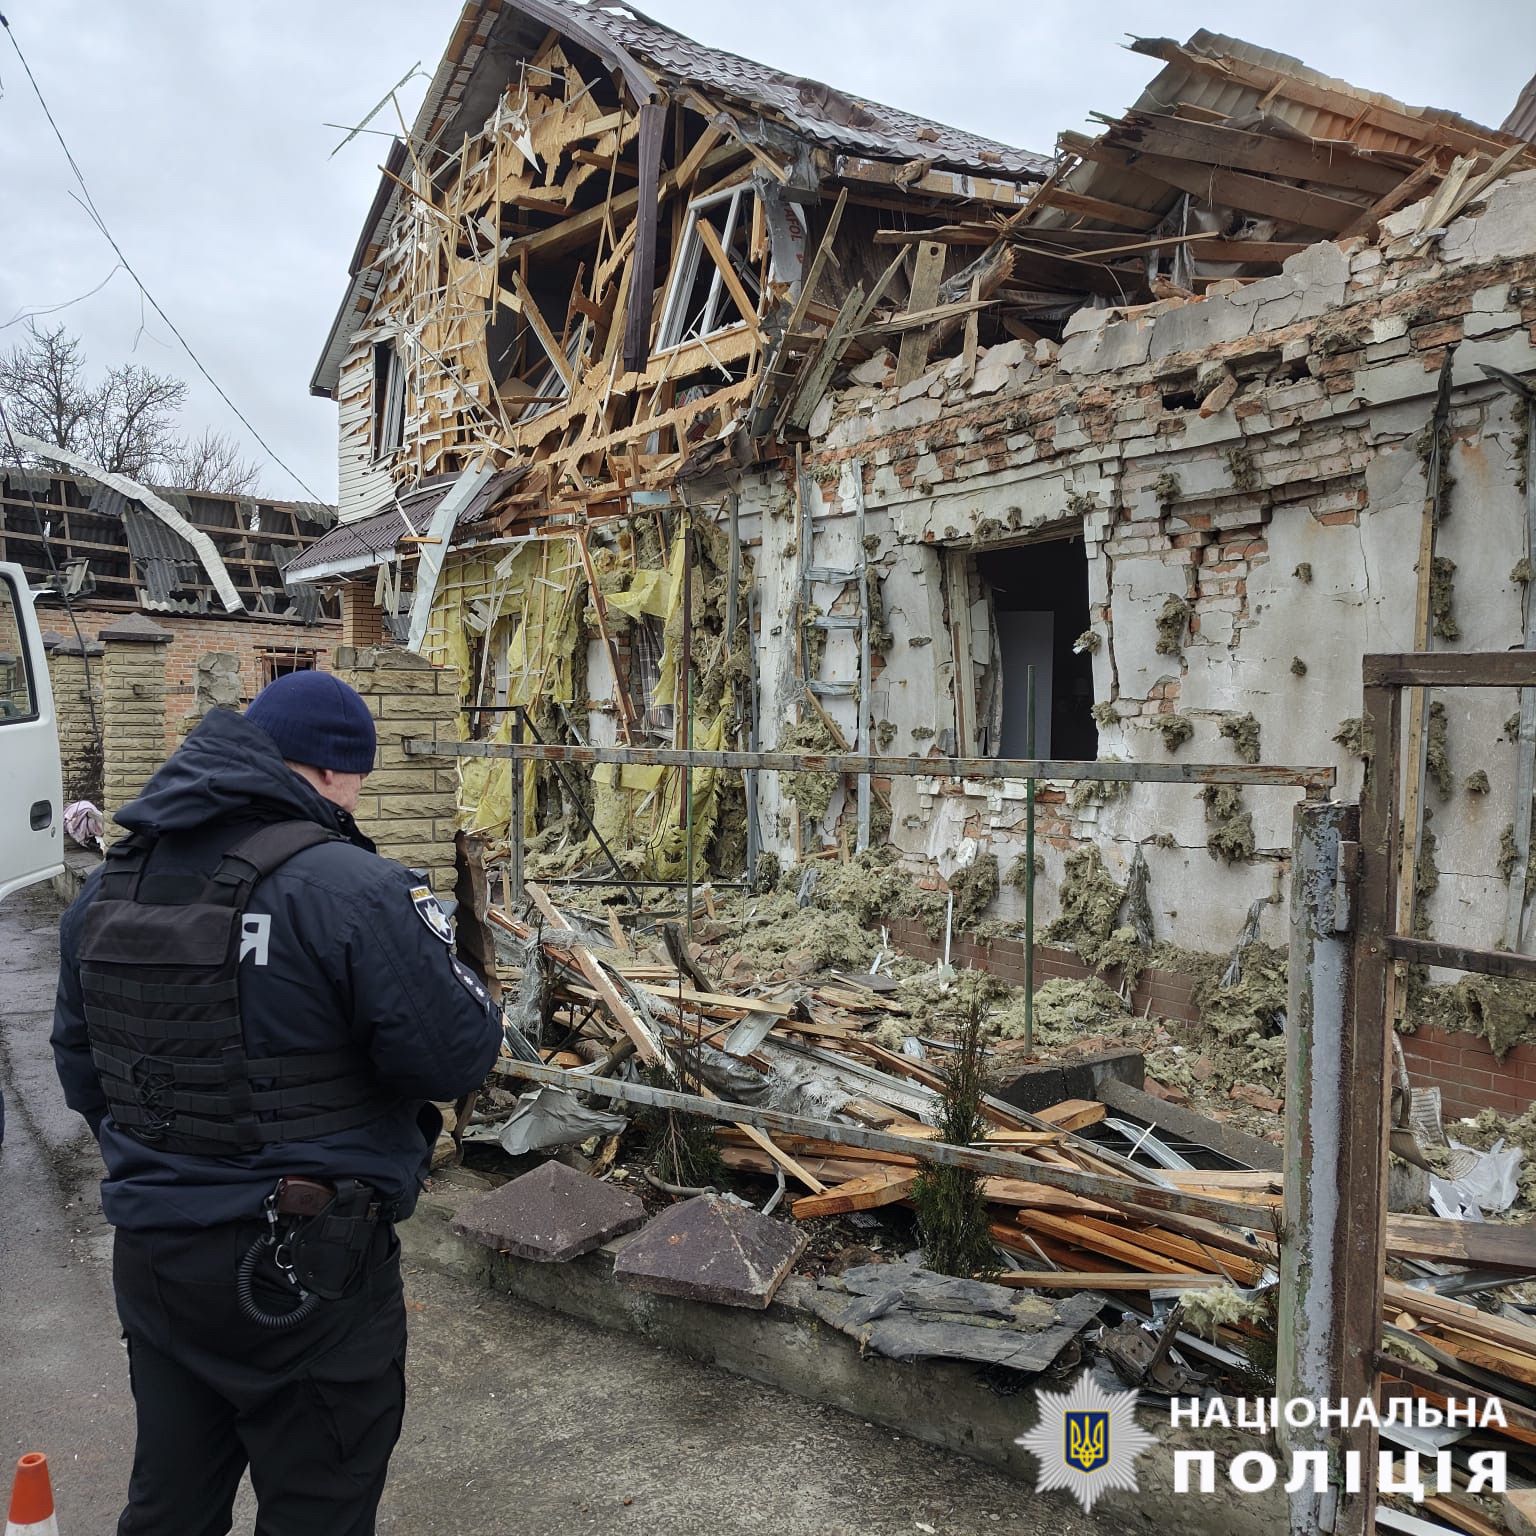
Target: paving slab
[[711, 1249], [549, 1215]]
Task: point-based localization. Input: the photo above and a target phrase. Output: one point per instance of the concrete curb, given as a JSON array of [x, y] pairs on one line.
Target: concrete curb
[[950, 1404]]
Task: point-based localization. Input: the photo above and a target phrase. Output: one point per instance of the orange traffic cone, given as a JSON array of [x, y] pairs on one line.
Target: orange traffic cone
[[32, 1499]]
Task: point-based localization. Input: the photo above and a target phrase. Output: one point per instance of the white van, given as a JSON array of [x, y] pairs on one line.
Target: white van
[[31, 785]]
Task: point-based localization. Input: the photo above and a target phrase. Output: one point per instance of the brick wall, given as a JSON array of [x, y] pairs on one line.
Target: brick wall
[[79, 741], [133, 710], [248, 639], [408, 804], [1469, 1076], [1169, 993]]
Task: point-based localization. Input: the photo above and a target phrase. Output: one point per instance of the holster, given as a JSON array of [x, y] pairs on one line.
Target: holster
[[329, 1250]]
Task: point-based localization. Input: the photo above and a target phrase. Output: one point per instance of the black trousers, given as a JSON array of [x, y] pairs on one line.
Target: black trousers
[[313, 1411]]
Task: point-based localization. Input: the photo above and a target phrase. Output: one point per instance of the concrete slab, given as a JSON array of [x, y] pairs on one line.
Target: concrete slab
[[549, 1215], [711, 1249]]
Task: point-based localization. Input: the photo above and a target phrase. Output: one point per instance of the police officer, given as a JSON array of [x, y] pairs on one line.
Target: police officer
[[253, 1010]]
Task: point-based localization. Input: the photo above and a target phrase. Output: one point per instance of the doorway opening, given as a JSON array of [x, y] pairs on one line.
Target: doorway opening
[[1038, 598]]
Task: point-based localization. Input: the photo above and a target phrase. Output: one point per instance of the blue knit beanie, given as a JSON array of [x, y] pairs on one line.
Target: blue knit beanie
[[316, 719]]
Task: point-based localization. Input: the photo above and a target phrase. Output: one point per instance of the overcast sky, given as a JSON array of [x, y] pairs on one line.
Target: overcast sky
[[200, 129]]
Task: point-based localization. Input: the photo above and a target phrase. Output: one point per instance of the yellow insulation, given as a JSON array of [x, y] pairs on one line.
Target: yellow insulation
[[529, 601]]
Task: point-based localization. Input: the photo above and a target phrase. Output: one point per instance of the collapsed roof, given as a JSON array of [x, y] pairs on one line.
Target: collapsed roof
[[657, 63], [116, 549]]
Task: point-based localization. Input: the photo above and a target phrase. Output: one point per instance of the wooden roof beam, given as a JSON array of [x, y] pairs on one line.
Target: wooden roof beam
[[1334, 165], [1230, 189]]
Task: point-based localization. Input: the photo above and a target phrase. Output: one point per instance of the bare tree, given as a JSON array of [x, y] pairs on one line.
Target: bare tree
[[42, 384], [126, 423], [213, 463], [131, 426]]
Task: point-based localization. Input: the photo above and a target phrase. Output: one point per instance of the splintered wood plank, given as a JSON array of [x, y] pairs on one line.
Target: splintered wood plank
[[1445, 1310], [1404, 193], [1490, 1245], [711, 243], [926, 277], [1074, 1114], [1332, 164], [818, 263], [751, 1159], [1091, 1280], [1138, 219], [723, 1000], [1243, 1271], [531, 312], [546, 908], [688, 167], [865, 1193], [1253, 194], [1084, 1234]]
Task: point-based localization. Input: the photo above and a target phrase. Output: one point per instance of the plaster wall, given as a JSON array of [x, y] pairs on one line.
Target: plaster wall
[[1315, 468]]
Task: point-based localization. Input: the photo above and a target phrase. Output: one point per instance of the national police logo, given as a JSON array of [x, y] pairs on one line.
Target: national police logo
[[431, 913], [1087, 1440]]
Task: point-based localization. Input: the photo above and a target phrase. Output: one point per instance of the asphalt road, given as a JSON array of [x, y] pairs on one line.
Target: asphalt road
[[517, 1420]]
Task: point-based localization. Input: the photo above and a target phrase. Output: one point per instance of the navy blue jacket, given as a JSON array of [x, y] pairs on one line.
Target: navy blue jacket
[[349, 961]]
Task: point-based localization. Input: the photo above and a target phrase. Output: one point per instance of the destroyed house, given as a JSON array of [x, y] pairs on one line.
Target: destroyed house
[[685, 402]]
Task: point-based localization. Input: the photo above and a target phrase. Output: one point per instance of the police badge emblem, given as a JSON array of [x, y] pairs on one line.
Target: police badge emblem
[[431, 913], [1087, 1438], [1087, 1441]]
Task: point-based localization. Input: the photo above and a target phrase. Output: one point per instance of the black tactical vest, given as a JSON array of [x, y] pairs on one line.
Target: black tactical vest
[[159, 969]]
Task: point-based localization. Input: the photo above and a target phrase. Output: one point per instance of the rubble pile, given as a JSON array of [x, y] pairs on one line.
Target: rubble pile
[[826, 1089]]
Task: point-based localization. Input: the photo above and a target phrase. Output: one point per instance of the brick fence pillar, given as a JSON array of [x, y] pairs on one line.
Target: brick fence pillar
[[77, 706], [408, 803], [362, 624], [133, 710]]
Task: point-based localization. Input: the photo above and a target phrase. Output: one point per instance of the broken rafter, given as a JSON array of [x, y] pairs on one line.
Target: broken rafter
[[1231, 189], [1266, 154]]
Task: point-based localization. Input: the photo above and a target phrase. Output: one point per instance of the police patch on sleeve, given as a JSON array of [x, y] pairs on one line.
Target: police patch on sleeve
[[431, 913], [469, 981]]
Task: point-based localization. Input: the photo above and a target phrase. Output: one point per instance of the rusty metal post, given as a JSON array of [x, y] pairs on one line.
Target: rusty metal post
[[1364, 1070], [1313, 1361]]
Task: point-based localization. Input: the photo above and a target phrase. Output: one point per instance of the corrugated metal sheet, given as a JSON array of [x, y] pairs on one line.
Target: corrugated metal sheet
[[369, 539]]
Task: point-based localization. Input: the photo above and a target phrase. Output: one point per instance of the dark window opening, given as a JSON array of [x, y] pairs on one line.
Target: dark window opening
[[388, 399], [1039, 598], [276, 664]]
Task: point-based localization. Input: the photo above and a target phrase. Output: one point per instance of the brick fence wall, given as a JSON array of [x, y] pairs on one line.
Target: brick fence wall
[[1467, 1073], [79, 738], [408, 803], [248, 639], [133, 710]]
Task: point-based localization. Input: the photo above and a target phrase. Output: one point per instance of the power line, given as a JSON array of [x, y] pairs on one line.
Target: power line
[[100, 223], [53, 309]]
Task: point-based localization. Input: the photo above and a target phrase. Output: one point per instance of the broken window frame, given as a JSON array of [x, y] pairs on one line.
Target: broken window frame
[[675, 330], [388, 400], [279, 663]]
